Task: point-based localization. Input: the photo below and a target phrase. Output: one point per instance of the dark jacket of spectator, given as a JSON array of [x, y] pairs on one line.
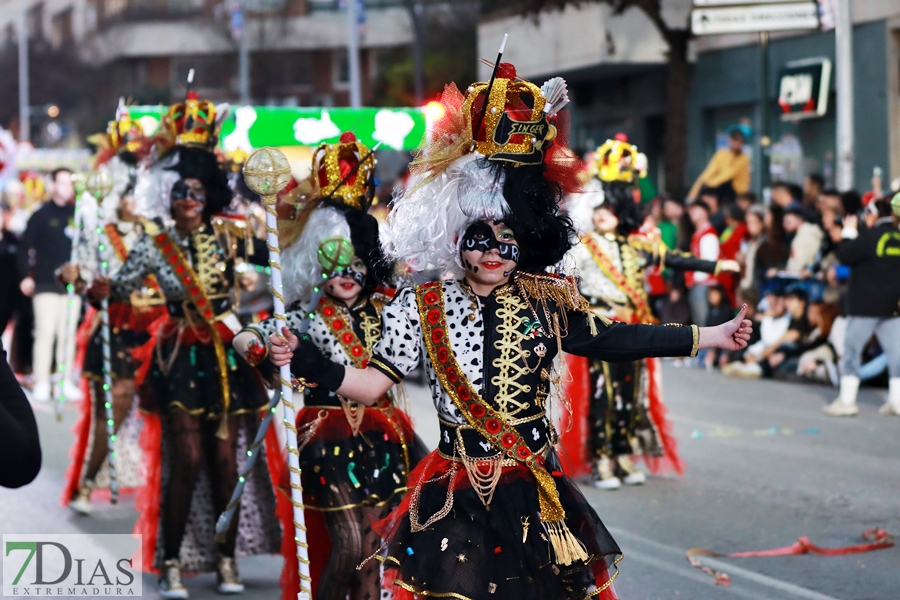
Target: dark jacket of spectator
[[20, 446], [874, 261], [45, 246], [11, 297]]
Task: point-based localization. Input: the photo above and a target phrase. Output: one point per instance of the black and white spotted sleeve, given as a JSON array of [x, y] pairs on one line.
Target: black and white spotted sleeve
[[399, 350], [137, 266]]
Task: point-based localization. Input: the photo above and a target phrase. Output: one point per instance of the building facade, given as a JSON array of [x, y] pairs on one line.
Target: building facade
[[615, 66]]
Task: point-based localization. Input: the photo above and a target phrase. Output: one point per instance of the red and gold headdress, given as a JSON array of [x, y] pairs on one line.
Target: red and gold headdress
[[344, 171], [618, 160], [192, 122], [516, 121]]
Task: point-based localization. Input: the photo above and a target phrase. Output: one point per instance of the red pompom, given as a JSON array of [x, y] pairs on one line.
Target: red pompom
[[192, 95], [622, 137], [347, 137], [506, 71]]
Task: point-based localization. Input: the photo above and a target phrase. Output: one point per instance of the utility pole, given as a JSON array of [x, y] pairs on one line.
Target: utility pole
[[843, 50], [24, 109], [765, 142], [417, 16], [353, 52], [244, 64], [238, 24]]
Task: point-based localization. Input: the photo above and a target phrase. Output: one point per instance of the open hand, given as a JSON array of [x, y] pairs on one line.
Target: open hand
[[281, 352]]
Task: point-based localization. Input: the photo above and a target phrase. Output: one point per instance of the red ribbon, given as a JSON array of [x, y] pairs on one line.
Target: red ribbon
[[876, 539]]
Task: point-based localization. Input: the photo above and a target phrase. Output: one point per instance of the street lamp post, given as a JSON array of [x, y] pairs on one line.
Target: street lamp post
[[843, 50], [24, 116]]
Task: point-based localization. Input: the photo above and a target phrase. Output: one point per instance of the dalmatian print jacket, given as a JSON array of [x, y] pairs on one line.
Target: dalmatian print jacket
[[506, 348]]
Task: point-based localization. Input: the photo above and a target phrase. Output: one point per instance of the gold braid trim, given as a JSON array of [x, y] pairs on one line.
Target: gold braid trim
[[505, 438]]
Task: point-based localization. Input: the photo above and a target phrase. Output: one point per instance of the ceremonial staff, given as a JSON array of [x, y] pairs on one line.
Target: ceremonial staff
[[99, 185], [267, 172], [331, 262]]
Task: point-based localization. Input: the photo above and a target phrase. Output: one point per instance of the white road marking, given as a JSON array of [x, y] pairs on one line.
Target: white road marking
[[726, 567]]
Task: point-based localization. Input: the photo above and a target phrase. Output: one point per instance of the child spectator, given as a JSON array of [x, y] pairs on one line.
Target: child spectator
[[773, 328]]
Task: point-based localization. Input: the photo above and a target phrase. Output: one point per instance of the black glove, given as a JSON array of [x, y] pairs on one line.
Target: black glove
[[310, 364]]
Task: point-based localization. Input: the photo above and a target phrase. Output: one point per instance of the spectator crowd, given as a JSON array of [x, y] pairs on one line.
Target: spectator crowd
[[820, 275]]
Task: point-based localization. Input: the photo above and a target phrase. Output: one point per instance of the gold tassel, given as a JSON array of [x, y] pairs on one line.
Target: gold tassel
[[567, 548], [222, 431]]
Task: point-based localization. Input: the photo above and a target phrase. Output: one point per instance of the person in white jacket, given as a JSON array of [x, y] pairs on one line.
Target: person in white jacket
[[806, 241]]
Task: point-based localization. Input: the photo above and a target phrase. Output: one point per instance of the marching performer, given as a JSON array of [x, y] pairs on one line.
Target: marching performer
[[121, 149], [204, 400], [617, 408], [490, 513], [354, 459]]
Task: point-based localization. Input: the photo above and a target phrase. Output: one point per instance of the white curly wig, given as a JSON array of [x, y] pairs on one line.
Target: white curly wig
[[299, 261], [428, 219], [581, 205]]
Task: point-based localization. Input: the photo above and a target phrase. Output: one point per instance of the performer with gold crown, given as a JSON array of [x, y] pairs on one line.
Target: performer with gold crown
[[490, 513], [617, 408], [204, 400], [354, 459], [122, 150]]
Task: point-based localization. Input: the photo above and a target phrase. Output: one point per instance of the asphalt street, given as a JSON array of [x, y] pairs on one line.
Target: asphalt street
[[764, 468]]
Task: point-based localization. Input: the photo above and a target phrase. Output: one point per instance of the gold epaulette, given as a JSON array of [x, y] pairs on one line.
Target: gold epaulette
[[150, 226], [562, 291]]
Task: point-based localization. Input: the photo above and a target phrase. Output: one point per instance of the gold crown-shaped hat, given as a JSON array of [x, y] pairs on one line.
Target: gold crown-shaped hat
[[514, 126], [192, 122], [618, 160], [344, 171], [124, 134]]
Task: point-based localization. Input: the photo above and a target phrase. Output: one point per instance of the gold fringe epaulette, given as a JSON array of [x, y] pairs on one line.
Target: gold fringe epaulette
[[562, 291], [150, 227]]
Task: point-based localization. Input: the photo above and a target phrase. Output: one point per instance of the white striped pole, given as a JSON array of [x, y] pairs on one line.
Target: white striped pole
[[266, 172], [99, 185]]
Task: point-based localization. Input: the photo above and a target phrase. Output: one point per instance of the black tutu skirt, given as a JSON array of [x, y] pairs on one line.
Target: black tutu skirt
[[121, 342], [341, 470], [192, 382], [500, 551]]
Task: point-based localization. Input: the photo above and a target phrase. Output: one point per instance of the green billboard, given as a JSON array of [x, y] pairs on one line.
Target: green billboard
[[251, 127]]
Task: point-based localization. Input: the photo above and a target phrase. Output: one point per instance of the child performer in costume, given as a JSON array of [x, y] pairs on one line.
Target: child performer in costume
[[121, 151], [617, 408], [354, 459], [204, 399], [490, 513]]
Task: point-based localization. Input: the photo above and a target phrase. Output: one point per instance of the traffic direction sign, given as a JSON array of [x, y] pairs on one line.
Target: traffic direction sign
[[754, 18]]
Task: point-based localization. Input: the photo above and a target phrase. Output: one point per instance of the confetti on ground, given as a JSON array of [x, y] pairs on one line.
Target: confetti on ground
[[727, 432]]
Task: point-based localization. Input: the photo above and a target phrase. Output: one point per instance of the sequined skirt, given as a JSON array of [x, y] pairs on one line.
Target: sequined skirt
[[461, 549], [342, 469]]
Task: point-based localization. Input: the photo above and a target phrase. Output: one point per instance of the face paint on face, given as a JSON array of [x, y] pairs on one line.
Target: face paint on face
[[357, 271], [346, 285], [479, 237], [190, 192]]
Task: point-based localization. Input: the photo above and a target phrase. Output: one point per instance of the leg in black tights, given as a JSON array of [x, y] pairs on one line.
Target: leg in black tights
[[123, 397], [368, 579], [222, 457], [352, 541], [186, 434]]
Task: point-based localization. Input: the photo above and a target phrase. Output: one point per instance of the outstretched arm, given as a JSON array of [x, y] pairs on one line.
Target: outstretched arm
[[365, 386], [619, 342]]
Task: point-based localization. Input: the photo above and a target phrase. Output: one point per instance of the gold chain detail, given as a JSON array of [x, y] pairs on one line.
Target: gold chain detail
[[511, 355]]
